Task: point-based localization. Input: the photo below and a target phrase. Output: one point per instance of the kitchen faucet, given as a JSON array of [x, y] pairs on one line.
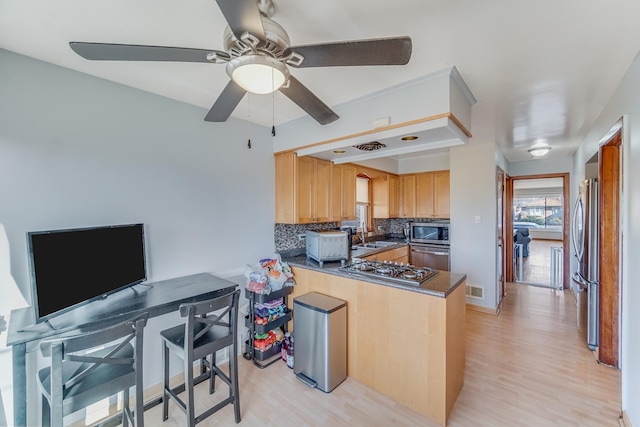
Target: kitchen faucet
[[363, 233]]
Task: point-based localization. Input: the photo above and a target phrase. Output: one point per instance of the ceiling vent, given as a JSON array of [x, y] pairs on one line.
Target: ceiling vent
[[370, 146]]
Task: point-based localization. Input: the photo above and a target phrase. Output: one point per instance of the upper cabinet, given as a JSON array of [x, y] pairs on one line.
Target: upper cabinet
[[303, 189], [432, 195], [408, 196], [385, 196], [310, 190], [343, 192]]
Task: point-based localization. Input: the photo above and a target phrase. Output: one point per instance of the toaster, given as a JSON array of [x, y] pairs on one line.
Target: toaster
[[327, 245]]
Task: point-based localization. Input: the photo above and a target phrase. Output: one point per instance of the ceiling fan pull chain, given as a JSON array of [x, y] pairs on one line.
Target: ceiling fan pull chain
[[248, 122], [273, 106]]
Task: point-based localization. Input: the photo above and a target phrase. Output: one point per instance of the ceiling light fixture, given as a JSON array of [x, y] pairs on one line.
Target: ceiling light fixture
[[339, 151], [258, 74], [409, 138], [539, 151]]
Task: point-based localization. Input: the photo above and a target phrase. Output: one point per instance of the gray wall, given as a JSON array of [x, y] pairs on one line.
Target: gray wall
[[624, 103], [80, 151]]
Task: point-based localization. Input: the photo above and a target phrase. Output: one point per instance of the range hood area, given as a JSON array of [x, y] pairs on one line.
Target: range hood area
[[429, 113]]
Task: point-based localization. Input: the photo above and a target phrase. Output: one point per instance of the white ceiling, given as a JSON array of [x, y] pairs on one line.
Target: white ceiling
[[539, 69]]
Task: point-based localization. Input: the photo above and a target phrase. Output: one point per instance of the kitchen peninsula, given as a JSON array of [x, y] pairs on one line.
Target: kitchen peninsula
[[405, 341]]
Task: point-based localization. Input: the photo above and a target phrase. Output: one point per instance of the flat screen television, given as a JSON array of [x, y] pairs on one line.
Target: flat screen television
[[73, 267]]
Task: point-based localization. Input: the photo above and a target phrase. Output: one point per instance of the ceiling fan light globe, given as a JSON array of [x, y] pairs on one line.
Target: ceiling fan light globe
[[257, 73], [539, 151]]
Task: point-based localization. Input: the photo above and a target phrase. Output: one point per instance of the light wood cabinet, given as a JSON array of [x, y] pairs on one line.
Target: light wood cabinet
[[343, 192], [408, 196], [303, 189], [432, 194], [385, 196], [421, 336]]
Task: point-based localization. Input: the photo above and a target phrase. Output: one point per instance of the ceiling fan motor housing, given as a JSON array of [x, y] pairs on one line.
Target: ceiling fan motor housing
[[277, 40]]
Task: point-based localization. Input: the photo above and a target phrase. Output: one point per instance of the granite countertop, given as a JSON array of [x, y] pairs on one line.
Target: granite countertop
[[440, 285]]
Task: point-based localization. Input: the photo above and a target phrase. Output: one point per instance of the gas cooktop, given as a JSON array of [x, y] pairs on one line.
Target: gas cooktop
[[407, 274]]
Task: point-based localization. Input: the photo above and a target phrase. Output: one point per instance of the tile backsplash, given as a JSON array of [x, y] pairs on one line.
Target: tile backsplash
[[286, 235]]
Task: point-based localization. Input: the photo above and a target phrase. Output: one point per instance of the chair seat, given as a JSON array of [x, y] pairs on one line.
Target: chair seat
[[104, 381], [215, 339]]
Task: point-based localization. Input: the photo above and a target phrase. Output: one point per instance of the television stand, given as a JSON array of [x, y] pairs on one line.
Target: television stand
[[149, 286]]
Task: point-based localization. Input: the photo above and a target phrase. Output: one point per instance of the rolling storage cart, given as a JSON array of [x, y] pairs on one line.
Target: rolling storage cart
[[262, 359]]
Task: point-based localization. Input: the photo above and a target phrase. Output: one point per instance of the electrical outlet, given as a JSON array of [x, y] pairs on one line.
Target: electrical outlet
[[379, 228], [301, 237]]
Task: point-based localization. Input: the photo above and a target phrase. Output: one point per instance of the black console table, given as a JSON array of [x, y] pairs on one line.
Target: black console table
[[156, 298]]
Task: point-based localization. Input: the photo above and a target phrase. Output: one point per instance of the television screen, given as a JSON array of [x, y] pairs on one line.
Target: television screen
[[75, 266]]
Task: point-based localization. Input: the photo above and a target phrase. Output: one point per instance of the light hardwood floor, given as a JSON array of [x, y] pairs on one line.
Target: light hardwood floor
[[529, 366], [536, 268]]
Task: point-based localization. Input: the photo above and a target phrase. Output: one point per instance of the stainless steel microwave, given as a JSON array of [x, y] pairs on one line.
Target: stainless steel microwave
[[430, 232]]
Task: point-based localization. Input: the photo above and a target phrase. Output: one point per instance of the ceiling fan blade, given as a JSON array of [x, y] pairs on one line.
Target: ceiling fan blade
[[310, 103], [242, 16], [385, 51], [132, 52], [228, 100]]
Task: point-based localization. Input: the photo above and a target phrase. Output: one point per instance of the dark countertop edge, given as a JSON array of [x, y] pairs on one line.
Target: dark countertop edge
[[429, 287]]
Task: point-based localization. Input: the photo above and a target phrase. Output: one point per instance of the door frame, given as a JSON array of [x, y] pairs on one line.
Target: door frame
[[565, 223], [610, 177]]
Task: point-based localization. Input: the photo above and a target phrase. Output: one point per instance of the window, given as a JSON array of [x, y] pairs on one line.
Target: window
[[539, 211]]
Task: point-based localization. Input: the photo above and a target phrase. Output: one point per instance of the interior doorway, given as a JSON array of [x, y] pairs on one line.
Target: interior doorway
[[610, 175], [537, 220]]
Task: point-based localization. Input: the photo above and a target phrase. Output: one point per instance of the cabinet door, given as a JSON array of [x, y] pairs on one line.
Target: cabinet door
[[424, 195], [349, 175], [336, 192], [305, 190], [381, 195], [285, 188], [408, 204], [322, 191], [441, 189], [394, 206], [385, 196]]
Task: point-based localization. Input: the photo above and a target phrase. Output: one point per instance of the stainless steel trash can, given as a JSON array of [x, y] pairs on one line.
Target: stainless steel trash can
[[320, 340]]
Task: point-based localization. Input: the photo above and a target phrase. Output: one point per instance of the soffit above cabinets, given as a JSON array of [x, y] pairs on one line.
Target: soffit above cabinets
[[434, 112], [430, 135]]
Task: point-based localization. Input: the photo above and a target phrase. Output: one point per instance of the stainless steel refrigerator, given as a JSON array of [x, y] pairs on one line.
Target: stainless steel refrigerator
[[585, 244]]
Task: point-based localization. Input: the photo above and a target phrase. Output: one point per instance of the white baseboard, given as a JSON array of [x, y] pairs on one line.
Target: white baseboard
[[624, 420]]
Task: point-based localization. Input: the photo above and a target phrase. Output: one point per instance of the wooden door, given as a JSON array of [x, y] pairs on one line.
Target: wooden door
[[609, 250]]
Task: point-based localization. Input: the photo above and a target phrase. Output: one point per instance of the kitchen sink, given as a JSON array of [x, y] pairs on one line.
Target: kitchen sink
[[384, 244], [373, 245]]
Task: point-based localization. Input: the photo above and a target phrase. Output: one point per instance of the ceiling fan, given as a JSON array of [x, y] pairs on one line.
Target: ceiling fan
[[258, 54]]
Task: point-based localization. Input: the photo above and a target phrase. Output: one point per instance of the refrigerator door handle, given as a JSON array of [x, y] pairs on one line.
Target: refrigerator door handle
[[578, 226], [581, 281]]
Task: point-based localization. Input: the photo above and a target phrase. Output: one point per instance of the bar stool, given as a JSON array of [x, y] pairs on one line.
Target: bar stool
[[210, 326], [90, 367]]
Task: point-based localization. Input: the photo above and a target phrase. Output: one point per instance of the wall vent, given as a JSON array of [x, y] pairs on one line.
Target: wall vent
[[475, 292]]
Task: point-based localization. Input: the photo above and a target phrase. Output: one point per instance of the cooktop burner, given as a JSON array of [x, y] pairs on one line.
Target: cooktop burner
[[407, 274]]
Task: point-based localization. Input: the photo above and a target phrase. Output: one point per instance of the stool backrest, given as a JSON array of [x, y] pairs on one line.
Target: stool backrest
[[82, 351], [205, 316]]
